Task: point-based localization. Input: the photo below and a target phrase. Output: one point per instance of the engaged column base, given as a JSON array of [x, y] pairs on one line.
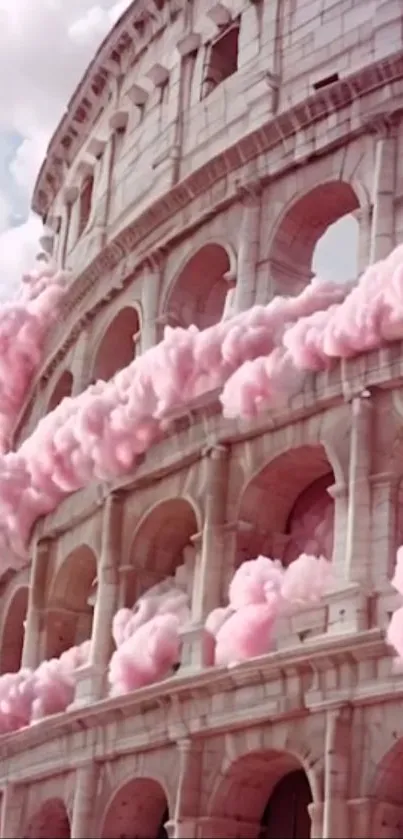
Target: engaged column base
[[90, 686]]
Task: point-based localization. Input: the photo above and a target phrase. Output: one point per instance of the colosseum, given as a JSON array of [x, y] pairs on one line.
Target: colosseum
[[203, 157]]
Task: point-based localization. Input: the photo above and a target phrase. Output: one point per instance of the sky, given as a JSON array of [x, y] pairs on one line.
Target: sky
[[45, 46]]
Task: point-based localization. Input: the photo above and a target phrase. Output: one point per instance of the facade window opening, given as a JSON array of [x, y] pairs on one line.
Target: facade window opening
[[336, 254], [85, 203], [222, 59]]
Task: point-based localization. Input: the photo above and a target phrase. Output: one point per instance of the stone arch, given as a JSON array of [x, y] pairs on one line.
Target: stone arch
[[197, 294], [12, 631], [159, 543], [51, 821], [387, 794], [61, 390], [386, 781], [276, 497], [69, 609], [117, 347], [252, 790], [301, 225], [138, 808]]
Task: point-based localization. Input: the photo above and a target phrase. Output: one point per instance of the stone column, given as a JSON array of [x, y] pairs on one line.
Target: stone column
[[359, 495], [150, 296], [339, 493], [183, 825], [383, 190], [337, 745], [91, 679], [84, 801], [315, 811], [208, 565], [384, 491], [248, 248], [31, 651], [11, 810], [364, 218]]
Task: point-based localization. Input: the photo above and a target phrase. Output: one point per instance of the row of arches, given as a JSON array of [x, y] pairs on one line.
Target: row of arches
[[280, 524], [318, 233], [140, 807], [262, 794]]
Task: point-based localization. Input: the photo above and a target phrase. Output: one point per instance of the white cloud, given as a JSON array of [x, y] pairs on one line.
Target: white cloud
[[45, 46]]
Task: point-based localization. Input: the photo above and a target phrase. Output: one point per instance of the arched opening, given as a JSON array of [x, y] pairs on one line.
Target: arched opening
[[199, 293], [336, 253], [286, 814], [162, 548], [50, 822], [285, 509], [117, 348], [292, 257], [387, 795], [139, 808], [269, 790], [70, 607], [13, 632], [62, 389]]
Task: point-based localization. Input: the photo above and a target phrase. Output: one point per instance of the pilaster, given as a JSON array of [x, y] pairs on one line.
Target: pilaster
[[91, 679], [150, 296], [11, 811], [84, 801], [383, 188], [337, 763], [36, 604], [359, 495], [248, 247]]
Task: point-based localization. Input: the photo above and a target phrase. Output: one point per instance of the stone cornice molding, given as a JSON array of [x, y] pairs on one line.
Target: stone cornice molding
[[294, 664]]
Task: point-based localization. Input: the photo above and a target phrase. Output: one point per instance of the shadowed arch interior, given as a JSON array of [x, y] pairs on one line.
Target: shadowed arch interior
[[269, 499], [159, 543], [301, 228], [13, 632], [199, 292], [50, 822], [117, 348], [137, 811], [62, 388], [69, 616], [253, 790]]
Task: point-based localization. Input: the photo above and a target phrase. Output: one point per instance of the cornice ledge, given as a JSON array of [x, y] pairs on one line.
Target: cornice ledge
[[176, 690]]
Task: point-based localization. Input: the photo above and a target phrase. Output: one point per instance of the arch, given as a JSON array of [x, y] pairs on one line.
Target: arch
[[70, 611], [301, 226], [386, 785], [252, 790], [198, 293], [138, 808], [158, 543], [62, 389], [12, 637], [116, 348], [274, 500], [51, 820]]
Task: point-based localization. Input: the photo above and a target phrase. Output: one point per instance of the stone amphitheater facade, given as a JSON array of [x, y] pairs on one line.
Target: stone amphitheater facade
[[204, 153]]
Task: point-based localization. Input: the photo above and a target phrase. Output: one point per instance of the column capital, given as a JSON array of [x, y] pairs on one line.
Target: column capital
[[215, 451], [383, 125], [249, 192], [156, 260]]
